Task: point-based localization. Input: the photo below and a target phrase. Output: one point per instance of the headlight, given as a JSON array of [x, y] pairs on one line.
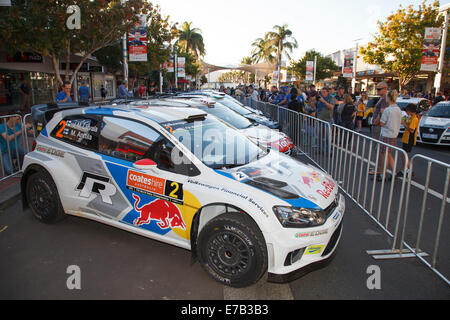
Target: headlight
[[290, 217]]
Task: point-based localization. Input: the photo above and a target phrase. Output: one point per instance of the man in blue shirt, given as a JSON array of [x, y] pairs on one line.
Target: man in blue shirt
[[10, 133], [84, 92], [280, 96], [123, 91], [64, 95]]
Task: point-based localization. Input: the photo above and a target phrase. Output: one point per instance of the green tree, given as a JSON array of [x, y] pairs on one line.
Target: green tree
[[40, 26], [397, 47], [285, 43], [325, 66], [191, 40], [264, 50]]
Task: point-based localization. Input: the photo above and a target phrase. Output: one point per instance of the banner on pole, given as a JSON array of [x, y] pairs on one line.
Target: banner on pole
[[137, 41], [181, 66], [431, 48], [347, 69], [309, 71]]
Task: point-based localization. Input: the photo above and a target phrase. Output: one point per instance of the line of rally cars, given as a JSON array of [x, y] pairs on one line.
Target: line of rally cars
[[191, 171]]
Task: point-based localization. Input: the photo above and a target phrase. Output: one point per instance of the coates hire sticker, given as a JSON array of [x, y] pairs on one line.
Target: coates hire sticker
[[154, 186]]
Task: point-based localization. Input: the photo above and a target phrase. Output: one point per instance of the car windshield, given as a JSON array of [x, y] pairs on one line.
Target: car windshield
[[215, 143], [235, 106], [402, 105], [440, 111], [229, 116]]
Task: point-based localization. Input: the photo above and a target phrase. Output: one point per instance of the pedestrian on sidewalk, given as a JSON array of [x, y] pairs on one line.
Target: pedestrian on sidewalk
[[409, 138], [360, 109], [103, 92], [382, 89], [390, 121], [25, 91], [84, 93], [64, 95], [339, 99], [325, 107], [123, 92], [347, 111]]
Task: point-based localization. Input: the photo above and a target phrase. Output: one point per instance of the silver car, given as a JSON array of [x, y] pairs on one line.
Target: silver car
[[434, 127]]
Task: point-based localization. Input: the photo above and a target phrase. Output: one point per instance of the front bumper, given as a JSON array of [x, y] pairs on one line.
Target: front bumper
[[433, 135], [293, 275], [313, 248]]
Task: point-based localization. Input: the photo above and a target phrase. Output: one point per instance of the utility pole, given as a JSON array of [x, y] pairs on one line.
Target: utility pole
[[176, 71], [355, 64], [124, 52], [438, 79], [315, 69]]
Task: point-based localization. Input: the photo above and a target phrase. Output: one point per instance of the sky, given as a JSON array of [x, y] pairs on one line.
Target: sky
[[230, 27]]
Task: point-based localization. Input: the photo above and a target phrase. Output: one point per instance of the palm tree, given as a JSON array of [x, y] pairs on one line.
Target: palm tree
[[282, 38], [191, 40], [264, 49]]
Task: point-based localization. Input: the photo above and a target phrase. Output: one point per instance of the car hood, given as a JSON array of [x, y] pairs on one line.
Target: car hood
[[298, 184], [436, 122], [263, 134], [261, 119]]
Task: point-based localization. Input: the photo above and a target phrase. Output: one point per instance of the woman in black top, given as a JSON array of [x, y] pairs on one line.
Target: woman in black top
[[348, 112]]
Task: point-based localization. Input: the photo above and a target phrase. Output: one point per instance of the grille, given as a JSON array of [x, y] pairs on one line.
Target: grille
[[428, 130]]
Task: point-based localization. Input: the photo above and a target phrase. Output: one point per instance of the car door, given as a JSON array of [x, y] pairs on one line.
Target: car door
[[159, 203], [83, 182]]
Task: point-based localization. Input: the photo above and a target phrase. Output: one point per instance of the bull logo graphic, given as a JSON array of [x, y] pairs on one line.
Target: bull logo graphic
[[165, 212]]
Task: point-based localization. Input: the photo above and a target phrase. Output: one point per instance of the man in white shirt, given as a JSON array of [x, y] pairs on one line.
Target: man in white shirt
[[253, 93]]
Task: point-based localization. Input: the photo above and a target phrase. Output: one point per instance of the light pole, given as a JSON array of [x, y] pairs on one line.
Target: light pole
[[124, 52], [315, 69], [438, 79], [355, 64]]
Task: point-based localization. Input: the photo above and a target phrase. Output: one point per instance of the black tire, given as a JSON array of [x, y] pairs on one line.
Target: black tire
[[43, 198], [231, 248]]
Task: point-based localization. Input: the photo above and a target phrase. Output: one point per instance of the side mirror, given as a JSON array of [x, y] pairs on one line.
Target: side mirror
[[145, 164]]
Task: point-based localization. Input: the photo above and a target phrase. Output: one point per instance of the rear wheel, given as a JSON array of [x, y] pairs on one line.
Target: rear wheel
[[43, 198], [231, 248]]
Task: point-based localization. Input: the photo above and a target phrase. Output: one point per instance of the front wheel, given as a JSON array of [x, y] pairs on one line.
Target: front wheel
[[43, 198], [232, 249]]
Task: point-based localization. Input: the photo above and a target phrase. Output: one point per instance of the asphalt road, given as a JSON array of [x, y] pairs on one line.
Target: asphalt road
[[115, 264]]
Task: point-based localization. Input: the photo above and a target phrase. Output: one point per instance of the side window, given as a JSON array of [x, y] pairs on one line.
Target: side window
[[169, 158], [80, 130], [126, 139], [132, 141]]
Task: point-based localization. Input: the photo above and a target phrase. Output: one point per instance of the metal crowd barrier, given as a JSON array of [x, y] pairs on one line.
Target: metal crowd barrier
[[353, 159], [429, 225]]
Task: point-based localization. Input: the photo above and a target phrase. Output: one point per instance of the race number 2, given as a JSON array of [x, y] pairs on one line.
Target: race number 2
[[174, 190]]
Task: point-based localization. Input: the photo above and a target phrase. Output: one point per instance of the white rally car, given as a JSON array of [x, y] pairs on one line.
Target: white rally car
[[260, 134], [181, 176]]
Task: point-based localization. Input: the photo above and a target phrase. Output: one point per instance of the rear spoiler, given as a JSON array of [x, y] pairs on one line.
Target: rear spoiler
[[41, 114]]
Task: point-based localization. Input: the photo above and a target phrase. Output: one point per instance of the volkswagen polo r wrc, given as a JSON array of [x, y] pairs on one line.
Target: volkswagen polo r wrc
[[183, 177]]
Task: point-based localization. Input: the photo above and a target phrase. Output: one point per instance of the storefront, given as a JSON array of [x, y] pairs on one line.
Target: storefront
[[35, 72], [108, 82], [29, 71]]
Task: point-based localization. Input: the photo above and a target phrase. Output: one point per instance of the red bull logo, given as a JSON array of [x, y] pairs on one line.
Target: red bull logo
[[166, 213]]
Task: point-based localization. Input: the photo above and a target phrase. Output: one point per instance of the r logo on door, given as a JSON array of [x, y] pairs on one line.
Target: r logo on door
[[92, 183]]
